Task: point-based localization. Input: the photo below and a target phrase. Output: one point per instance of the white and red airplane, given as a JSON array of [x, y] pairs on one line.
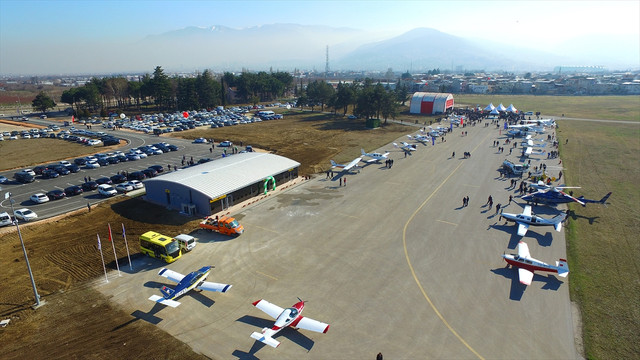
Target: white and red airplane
[[285, 317], [346, 167], [527, 265]]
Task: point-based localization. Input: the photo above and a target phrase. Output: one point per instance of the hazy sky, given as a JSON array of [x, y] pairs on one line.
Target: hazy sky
[[31, 28]]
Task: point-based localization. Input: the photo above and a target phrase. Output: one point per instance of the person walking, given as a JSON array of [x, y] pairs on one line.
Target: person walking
[[510, 198], [497, 208], [340, 181], [345, 181], [489, 200]]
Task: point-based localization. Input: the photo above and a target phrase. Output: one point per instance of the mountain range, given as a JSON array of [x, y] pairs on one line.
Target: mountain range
[[290, 46]]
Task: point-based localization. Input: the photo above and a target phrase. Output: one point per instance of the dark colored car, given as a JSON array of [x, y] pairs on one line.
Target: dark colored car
[[62, 170], [103, 162], [73, 190], [90, 185], [113, 160], [73, 168], [104, 180], [137, 175], [80, 161], [39, 169], [110, 141], [118, 178], [122, 158], [172, 147], [204, 160], [50, 174], [149, 173], [56, 194], [24, 177], [157, 168]]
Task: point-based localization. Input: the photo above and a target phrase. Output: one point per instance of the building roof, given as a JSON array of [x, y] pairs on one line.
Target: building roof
[[228, 174]]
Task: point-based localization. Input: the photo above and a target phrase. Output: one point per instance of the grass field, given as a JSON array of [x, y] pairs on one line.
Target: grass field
[[625, 108]]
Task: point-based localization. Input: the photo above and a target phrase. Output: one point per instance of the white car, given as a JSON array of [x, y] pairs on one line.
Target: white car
[[200, 141], [25, 214], [92, 165], [90, 158], [29, 171], [39, 198], [124, 188], [107, 190], [94, 142], [225, 144], [135, 184], [65, 163]]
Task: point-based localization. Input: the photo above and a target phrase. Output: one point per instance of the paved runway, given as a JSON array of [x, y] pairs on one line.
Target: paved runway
[[391, 261]]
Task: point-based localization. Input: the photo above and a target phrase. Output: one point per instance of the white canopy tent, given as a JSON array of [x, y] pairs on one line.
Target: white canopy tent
[[512, 109], [495, 112], [501, 107], [489, 107]]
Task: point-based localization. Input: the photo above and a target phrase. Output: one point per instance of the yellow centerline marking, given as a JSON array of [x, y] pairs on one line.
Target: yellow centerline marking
[[413, 273], [267, 275], [446, 222]]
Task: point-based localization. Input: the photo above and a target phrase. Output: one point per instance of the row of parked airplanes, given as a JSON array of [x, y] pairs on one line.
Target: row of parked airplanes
[[546, 194], [291, 316]]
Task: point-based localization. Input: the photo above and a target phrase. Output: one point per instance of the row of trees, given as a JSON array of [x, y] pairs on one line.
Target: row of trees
[[368, 99], [174, 93]]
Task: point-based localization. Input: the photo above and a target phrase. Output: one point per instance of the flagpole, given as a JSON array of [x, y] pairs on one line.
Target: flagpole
[[113, 245], [101, 256], [127, 246]]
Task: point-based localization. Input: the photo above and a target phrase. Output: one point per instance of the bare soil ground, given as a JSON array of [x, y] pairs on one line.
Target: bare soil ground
[[77, 322]]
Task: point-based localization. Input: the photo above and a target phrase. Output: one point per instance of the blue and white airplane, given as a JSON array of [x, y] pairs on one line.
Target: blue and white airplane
[[186, 283]]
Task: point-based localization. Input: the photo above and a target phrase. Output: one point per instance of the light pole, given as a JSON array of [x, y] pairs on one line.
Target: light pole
[[7, 195]]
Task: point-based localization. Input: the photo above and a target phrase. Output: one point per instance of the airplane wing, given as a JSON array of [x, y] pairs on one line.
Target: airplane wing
[[522, 229], [270, 309], [371, 160], [171, 275], [523, 250], [527, 210], [211, 286], [528, 151], [312, 325], [352, 164], [525, 276], [163, 301]]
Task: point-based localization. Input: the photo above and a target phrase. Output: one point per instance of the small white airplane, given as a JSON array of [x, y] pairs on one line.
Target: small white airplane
[[420, 138], [527, 218], [346, 167], [186, 283], [406, 147], [375, 156], [527, 265], [540, 185], [542, 122], [285, 317]]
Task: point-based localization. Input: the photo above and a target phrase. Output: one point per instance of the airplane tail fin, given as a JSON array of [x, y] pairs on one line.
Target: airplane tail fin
[[563, 267], [363, 152], [167, 292], [265, 339], [333, 163]]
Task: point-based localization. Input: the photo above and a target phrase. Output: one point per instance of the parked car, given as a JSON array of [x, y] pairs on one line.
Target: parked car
[[39, 169], [50, 174], [73, 190], [3, 179], [200, 141], [136, 184], [106, 190], [118, 179], [137, 175], [157, 168], [73, 168], [25, 214], [80, 161], [24, 177], [29, 171], [225, 144], [149, 173], [56, 194], [104, 180], [124, 188], [92, 165], [39, 198], [90, 185], [62, 170]]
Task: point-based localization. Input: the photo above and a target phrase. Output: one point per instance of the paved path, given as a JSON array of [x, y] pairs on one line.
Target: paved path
[[392, 261]]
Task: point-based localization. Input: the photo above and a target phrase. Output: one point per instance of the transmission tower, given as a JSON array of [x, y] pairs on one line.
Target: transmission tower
[[326, 66]]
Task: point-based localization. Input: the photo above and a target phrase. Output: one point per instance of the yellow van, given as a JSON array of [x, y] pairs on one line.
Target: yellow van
[[160, 246]]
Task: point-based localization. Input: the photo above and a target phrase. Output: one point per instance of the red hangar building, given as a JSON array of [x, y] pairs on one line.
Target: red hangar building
[[430, 103]]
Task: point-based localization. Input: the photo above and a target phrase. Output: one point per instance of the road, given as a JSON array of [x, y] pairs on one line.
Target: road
[[22, 192], [391, 261]]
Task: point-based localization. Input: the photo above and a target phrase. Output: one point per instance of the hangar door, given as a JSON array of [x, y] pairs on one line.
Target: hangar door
[[426, 107]]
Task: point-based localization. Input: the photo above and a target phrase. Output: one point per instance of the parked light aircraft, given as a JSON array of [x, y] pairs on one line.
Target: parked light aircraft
[[375, 156], [285, 317], [406, 147], [420, 138], [186, 283], [527, 265], [555, 196], [346, 167], [527, 218], [540, 185]]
